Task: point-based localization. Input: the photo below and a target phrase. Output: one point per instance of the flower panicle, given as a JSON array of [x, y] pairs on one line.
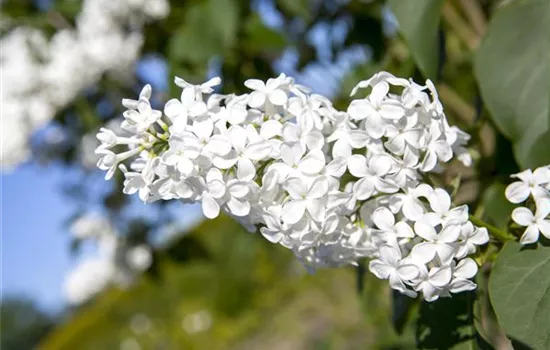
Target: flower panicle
[[332, 186]]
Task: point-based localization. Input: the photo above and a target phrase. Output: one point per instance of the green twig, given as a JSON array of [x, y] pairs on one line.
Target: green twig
[[499, 234]]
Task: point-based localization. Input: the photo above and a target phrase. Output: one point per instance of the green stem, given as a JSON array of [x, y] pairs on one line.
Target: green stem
[[499, 234]]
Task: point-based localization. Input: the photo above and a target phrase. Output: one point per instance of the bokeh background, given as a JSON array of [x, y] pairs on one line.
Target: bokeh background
[[86, 267]]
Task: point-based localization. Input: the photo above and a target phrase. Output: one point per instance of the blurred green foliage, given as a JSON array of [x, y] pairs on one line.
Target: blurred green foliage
[[255, 295], [22, 323]]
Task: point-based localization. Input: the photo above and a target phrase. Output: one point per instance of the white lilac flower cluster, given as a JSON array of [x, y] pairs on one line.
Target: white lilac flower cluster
[[116, 262], [331, 186], [40, 76], [535, 187]]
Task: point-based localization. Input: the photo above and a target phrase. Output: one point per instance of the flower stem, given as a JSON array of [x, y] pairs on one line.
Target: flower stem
[[499, 234]]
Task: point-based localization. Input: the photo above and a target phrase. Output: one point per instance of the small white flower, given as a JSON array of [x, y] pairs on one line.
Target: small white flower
[[377, 110], [181, 155], [462, 272], [238, 203], [433, 283], [109, 160], [531, 183], [392, 232], [440, 203], [440, 244], [470, 237], [296, 162], [138, 121], [270, 91], [210, 191], [437, 149], [202, 137], [409, 202], [371, 175], [304, 197], [145, 94], [536, 224], [243, 153], [196, 91], [390, 266]]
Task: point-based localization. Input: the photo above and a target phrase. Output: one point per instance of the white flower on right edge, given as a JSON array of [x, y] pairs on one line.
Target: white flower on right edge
[[534, 184], [531, 183], [536, 224]]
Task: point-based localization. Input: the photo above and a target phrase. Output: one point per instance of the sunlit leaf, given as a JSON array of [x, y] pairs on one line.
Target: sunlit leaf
[[513, 69], [419, 24], [519, 289]]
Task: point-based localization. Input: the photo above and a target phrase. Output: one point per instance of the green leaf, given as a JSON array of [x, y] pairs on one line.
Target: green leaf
[[512, 66], [404, 309], [519, 289], [447, 324], [497, 208], [379, 314], [419, 24]]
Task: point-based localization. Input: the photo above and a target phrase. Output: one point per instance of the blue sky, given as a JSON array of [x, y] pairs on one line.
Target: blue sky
[[35, 241], [35, 244]]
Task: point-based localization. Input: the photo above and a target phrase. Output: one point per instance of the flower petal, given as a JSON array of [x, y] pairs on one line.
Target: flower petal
[[295, 187], [445, 252], [255, 84], [523, 216], [312, 163], [440, 277], [412, 209], [459, 285], [357, 165], [408, 271], [256, 99], [466, 268], [258, 151], [245, 169], [293, 211], [380, 164], [543, 208], [380, 269], [517, 192], [424, 252], [383, 219], [238, 207], [363, 188], [531, 235], [271, 128], [278, 97], [319, 188], [210, 207], [203, 129], [390, 255]]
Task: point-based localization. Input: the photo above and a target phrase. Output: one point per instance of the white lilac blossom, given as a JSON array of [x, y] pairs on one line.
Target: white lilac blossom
[[334, 187], [116, 262], [42, 76], [533, 187]]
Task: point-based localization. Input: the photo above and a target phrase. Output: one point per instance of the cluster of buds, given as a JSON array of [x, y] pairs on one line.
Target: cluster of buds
[[332, 186]]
